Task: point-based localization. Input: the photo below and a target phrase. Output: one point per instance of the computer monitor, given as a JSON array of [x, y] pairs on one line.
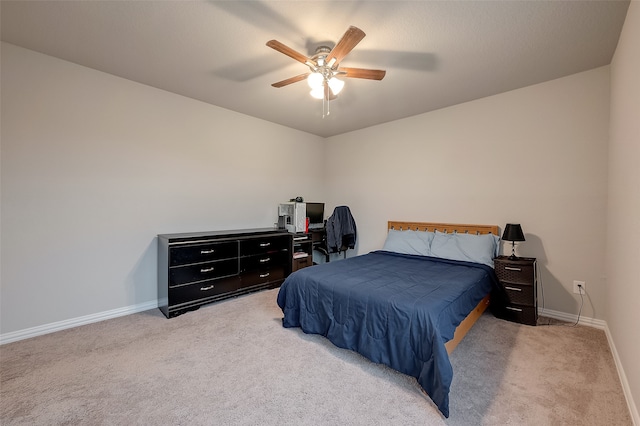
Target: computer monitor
[[315, 213]]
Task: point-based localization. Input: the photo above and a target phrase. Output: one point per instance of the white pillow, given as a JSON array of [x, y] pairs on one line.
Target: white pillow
[[409, 242], [466, 247]]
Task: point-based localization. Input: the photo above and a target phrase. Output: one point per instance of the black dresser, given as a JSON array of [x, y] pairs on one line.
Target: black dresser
[[202, 267], [516, 299]]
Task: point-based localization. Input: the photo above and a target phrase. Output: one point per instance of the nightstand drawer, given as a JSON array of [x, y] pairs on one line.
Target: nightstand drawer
[[519, 294], [514, 272], [522, 314]]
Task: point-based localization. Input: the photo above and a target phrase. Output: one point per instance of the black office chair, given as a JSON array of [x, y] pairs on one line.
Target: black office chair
[[342, 227], [322, 247]]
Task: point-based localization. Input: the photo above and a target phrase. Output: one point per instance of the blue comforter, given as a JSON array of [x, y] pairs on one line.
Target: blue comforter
[[395, 309]]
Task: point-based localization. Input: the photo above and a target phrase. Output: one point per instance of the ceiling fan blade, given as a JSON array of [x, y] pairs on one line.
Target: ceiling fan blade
[[346, 44], [291, 80], [362, 73], [276, 45]]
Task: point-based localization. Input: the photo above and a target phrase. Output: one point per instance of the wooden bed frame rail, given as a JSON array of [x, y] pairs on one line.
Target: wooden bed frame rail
[[473, 316]]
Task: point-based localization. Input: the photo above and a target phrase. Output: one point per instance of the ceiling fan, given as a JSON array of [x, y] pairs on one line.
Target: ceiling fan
[[324, 66]]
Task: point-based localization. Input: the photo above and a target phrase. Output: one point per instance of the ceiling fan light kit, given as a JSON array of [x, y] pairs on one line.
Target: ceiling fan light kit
[[318, 92], [324, 66], [315, 80], [335, 85]]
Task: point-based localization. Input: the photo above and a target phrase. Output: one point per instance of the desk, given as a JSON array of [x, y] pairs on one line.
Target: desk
[[301, 251]]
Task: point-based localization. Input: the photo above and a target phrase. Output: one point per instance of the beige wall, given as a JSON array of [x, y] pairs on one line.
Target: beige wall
[[535, 156], [95, 166], [623, 221]]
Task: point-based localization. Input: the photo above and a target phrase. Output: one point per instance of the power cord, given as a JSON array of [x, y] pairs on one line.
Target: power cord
[[542, 296], [581, 305]]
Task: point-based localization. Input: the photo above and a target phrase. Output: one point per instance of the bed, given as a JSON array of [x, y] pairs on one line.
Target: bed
[[407, 305]]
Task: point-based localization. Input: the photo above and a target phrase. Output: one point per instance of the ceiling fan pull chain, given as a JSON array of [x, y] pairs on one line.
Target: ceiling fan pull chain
[[324, 99]]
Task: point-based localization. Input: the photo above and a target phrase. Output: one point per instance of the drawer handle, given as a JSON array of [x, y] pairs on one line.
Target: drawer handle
[[512, 288], [264, 275], [265, 260], [265, 244], [509, 268], [207, 269], [513, 309], [207, 288], [207, 251]]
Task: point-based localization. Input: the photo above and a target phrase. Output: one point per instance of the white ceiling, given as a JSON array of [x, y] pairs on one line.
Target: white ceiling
[[436, 53]]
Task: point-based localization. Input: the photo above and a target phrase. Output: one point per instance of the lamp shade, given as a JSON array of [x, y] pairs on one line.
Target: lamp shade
[[315, 80], [513, 232], [336, 85], [318, 92]]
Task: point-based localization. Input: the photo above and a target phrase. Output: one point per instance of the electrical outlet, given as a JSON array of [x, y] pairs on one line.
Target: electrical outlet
[[579, 287]]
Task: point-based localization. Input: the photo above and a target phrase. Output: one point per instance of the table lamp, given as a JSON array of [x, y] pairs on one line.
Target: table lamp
[[513, 232]]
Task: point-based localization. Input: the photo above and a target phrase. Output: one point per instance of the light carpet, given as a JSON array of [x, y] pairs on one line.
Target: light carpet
[[232, 363]]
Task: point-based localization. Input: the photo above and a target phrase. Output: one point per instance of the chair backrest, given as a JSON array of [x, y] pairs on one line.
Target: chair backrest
[[341, 230]]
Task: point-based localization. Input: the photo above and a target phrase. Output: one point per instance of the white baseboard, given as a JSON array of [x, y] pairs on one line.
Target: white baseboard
[[75, 322], [562, 316], [633, 409]]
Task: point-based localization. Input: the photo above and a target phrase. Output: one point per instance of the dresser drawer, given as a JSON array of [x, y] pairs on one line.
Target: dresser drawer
[[202, 290], [514, 273], [264, 245], [519, 294], [179, 275], [205, 252], [262, 276], [264, 261]]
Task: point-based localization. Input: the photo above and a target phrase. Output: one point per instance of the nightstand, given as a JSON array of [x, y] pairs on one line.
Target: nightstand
[[516, 298]]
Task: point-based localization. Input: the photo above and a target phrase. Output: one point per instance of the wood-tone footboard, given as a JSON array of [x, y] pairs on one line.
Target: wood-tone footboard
[[467, 323]]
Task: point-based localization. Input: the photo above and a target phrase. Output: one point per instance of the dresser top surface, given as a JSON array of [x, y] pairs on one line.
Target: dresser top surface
[[186, 236]]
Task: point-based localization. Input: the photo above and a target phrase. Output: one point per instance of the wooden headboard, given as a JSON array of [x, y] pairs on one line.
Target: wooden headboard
[[443, 227]]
